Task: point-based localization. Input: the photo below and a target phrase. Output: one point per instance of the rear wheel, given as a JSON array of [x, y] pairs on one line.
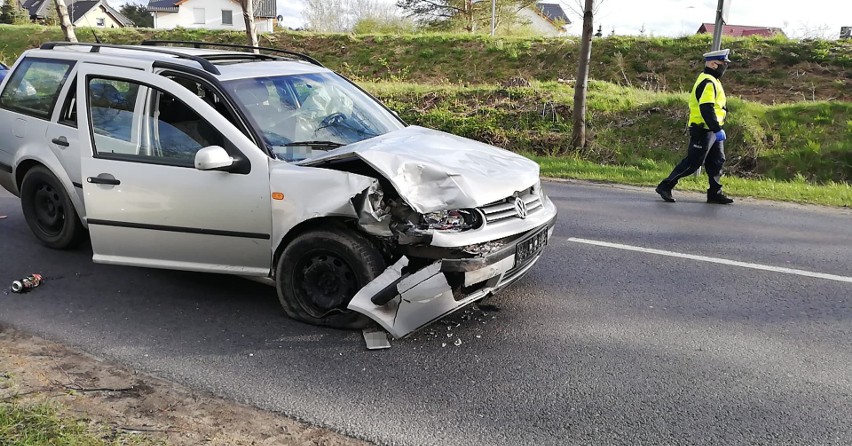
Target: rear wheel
[[320, 271], [48, 210]]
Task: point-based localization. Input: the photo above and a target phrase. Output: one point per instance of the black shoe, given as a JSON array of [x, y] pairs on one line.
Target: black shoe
[[719, 198], [666, 194]]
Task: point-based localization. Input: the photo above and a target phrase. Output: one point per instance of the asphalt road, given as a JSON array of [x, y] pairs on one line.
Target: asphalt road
[[597, 345]]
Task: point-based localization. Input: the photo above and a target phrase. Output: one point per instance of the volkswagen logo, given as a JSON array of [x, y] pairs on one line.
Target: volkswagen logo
[[520, 208]]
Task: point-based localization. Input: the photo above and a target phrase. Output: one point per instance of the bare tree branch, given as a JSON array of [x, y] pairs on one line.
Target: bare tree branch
[[469, 14], [327, 15], [578, 7]]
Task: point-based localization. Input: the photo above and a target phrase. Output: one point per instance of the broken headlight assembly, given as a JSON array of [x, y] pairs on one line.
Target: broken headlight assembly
[[452, 220], [484, 249], [536, 189]]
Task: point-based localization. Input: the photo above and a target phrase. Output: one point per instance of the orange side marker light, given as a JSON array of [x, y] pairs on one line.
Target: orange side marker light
[[277, 196]]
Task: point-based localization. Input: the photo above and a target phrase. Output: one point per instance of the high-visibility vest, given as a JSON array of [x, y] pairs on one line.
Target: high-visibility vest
[[713, 93]]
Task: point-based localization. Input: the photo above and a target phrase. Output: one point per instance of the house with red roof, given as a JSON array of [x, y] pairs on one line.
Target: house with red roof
[[740, 31]]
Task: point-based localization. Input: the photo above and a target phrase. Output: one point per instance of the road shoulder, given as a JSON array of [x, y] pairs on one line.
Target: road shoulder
[[109, 395]]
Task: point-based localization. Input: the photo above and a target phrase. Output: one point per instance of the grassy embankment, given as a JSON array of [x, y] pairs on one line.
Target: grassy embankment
[[795, 152], [791, 139]]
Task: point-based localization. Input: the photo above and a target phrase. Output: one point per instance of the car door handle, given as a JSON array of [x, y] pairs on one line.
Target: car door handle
[[61, 141], [102, 179]]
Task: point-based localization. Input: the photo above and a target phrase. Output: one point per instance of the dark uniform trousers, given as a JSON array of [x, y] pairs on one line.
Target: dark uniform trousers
[[703, 149]]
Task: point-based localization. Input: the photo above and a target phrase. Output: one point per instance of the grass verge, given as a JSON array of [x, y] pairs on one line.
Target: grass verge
[[41, 425], [797, 191]]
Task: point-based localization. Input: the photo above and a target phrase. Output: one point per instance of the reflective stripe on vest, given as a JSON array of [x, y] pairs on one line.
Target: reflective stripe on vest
[[713, 93]]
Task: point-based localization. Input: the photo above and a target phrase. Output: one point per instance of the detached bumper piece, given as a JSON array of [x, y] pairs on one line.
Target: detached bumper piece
[[404, 303]]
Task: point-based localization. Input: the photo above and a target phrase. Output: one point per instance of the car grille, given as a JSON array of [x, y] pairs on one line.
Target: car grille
[[504, 209]]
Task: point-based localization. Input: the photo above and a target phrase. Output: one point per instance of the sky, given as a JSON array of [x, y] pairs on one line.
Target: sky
[[798, 18], [680, 17]]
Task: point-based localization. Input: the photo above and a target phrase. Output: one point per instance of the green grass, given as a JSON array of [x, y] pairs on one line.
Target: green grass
[[783, 144], [798, 191], [791, 152], [632, 127], [769, 70], [40, 425]]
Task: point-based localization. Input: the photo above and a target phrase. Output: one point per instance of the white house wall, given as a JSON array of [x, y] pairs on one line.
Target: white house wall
[[91, 19], [185, 17], [539, 24]]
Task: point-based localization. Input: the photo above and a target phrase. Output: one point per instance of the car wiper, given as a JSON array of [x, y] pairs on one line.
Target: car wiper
[[318, 144]]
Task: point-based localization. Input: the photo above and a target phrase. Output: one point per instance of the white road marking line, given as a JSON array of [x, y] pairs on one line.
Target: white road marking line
[[776, 269]]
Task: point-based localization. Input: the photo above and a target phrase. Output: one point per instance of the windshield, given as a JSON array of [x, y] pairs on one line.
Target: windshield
[[303, 115]]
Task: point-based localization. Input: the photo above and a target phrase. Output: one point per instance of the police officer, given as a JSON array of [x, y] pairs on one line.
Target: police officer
[[707, 110]]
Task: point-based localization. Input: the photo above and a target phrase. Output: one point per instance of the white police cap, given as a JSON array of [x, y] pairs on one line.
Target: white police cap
[[718, 55]]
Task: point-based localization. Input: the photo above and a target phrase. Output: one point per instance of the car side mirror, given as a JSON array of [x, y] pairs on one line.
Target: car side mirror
[[213, 158]]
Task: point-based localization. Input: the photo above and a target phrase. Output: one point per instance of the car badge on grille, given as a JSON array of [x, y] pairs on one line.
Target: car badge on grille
[[520, 208]]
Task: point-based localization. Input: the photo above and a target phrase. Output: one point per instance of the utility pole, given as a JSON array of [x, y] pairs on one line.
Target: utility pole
[[721, 19]]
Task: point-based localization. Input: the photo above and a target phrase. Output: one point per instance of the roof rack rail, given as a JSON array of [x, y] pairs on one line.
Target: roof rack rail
[[96, 48], [304, 57]]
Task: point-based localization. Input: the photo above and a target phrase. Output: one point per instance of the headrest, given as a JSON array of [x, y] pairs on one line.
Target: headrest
[[104, 95], [251, 92]]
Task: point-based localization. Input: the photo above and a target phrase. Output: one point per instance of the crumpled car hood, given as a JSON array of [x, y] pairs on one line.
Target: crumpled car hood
[[434, 170]]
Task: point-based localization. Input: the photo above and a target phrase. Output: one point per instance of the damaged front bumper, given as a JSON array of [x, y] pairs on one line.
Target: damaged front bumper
[[403, 303]]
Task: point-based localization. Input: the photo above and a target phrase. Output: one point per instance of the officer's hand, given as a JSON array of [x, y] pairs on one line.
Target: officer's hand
[[720, 135]]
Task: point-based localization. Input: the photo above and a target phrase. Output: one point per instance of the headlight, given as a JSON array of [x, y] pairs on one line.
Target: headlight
[[536, 189], [454, 220]]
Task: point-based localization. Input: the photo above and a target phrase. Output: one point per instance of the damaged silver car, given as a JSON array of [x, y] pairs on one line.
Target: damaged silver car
[[268, 166]]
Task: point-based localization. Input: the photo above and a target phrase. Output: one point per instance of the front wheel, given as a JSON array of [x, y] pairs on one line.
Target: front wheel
[[48, 210], [319, 273]]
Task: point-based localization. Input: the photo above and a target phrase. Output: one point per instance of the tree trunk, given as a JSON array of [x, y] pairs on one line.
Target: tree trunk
[[468, 10], [578, 138], [248, 16], [65, 21]]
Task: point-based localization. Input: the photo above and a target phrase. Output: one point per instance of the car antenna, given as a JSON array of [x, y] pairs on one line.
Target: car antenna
[[98, 41]]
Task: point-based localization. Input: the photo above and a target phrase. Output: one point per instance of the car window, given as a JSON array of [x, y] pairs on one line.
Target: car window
[[68, 115], [134, 122], [209, 95], [34, 86], [111, 109]]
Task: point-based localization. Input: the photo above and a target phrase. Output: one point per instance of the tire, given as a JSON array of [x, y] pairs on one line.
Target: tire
[[48, 210], [319, 273]]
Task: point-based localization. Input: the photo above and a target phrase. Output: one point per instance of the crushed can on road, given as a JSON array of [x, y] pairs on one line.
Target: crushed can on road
[[27, 283]]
